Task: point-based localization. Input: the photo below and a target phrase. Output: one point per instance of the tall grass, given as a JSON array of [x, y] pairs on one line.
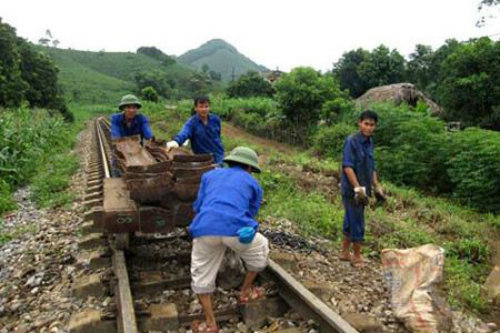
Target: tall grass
[[35, 148], [25, 135]]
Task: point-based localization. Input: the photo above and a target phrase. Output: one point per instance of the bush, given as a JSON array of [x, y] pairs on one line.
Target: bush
[[331, 110], [302, 92], [149, 94], [330, 139], [249, 85], [475, 168], [226, 107], [416, 153]]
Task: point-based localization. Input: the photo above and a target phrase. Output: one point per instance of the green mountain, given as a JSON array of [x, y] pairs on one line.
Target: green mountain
[[220, 57], [103, 77]]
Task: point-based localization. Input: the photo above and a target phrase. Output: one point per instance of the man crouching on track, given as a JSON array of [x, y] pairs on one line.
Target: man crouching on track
[[228, 201], [129, 123]]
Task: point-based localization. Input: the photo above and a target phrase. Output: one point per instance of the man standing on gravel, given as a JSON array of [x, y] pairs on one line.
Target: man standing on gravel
[[358, 177], [227, 203], [204, 131]]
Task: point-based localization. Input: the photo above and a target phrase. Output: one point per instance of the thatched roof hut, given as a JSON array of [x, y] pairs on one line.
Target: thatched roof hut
[[397, 93]]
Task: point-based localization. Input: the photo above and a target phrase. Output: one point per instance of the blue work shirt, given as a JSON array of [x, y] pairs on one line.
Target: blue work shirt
[[139, 125], [358, 154], [205, 139], [228, 199]]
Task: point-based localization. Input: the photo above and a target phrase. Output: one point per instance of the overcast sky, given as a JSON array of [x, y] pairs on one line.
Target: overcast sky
[[282, 34]]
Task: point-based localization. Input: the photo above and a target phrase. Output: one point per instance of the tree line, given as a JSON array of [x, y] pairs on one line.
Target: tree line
[[27, 76], [462, 77]]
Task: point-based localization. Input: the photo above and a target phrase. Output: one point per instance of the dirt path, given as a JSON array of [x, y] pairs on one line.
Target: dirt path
[[232, 131]]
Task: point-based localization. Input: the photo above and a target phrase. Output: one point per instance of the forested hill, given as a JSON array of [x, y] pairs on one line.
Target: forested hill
[[220, 57], [100, 77]]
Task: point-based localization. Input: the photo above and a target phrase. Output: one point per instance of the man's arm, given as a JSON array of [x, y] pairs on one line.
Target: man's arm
[[115, 128], [256, 202], [147, 133], [185, 133], [199, 198], [348, 162], [351, 175], [220, 127]]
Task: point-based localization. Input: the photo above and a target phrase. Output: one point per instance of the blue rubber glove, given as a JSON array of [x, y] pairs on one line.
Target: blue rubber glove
[[246, 235]]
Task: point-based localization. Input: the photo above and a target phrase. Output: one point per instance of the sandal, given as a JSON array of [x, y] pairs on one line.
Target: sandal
[[255, 294], [202, 327], [357, 262], [345, 257]]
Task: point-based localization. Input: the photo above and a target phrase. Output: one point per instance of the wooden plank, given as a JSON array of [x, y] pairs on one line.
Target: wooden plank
[[120, 212], [305, 302], [126, 316], [116, 195], [134, 154]]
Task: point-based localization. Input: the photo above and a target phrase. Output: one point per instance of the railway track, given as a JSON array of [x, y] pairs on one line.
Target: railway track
[[148, 274]]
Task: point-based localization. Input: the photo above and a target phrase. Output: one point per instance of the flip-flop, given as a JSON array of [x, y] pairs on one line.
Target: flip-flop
[[202, 327], [357, 263], [345, 257], [255, 294]]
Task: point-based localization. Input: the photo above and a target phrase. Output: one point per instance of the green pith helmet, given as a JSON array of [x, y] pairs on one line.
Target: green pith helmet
[[130, 100], [246, 156]]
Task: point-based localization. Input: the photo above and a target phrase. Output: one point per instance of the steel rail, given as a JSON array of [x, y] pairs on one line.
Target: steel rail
[[127, 322]]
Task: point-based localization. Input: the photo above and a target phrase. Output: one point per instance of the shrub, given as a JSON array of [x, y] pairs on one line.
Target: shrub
[[149, 94], [331, 110], [475, 168], [225, 107], [302, 92], [250, 84], [330, 139], [416, 154]]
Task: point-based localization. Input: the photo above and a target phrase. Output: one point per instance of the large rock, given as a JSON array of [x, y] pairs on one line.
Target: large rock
[[397, 93]]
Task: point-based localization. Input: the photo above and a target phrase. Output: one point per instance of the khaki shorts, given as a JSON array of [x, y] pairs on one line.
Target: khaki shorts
[[208, 252]]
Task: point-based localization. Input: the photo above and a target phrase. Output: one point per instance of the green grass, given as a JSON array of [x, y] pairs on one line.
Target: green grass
[[53, 178]]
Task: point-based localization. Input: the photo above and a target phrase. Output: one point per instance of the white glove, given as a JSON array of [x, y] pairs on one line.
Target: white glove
[[172, 144], [361, 189], [360, 196]]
